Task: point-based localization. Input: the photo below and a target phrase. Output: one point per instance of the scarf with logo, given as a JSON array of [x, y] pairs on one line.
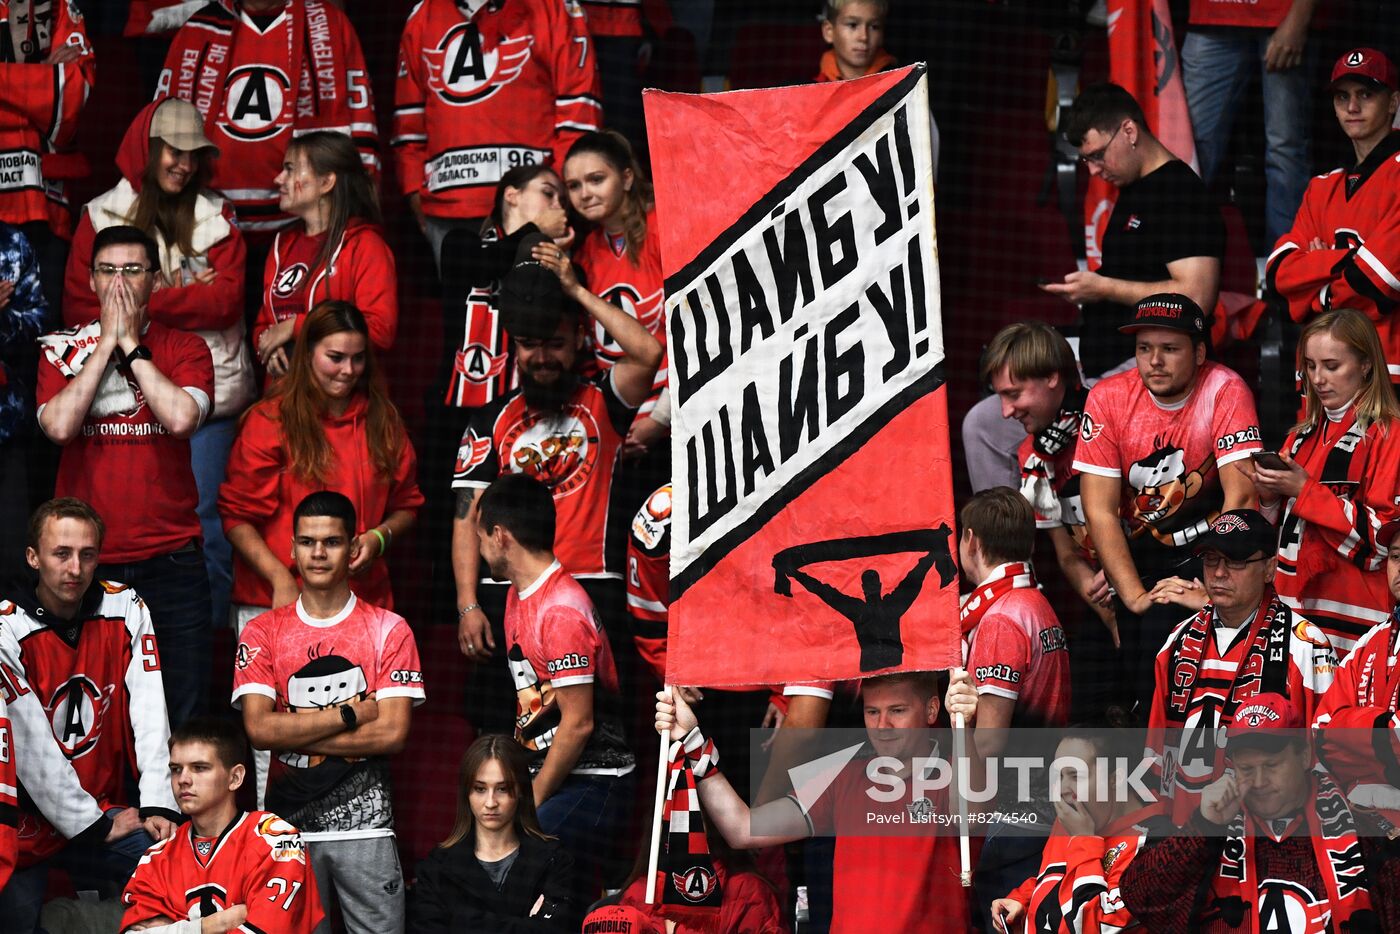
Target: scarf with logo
[[1038, 472], [69, 350], [1015, 575], [690, 888], [1237, 889]]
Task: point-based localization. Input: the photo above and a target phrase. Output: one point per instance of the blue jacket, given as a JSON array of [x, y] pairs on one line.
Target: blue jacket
[[21, 322]]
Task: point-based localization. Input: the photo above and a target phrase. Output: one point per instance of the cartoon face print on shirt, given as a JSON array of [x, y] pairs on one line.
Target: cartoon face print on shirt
[[324, 681], [536, 713], [1162, 486]]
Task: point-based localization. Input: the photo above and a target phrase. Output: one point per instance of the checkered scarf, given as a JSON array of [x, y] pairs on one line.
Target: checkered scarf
[[689, 884]]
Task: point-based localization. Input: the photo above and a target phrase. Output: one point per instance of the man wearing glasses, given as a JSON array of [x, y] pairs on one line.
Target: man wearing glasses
[[122, 395], [1242, 643], [1165, 233]]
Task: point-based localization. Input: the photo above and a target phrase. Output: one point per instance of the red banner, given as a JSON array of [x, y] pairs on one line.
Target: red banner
[[1142, 58], [813, 533]]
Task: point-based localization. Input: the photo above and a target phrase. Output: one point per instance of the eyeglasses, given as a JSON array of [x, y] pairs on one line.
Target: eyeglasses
[[1212, 561], [1097, 156], [128, 271]]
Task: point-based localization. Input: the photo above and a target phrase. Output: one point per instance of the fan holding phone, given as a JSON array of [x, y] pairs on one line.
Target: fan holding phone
[[1335, 480]]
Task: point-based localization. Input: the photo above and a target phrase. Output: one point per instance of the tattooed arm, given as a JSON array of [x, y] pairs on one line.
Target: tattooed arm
[[473, 629]]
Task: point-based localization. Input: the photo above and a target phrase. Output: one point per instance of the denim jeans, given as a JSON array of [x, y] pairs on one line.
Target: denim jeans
[[209, 449], [104, 867], [587, 814], [175, 587], [1215, 65]]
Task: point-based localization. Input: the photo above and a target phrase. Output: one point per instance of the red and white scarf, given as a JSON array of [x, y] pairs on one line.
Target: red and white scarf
[[1331, 827], [1014, 575], [690, 887]]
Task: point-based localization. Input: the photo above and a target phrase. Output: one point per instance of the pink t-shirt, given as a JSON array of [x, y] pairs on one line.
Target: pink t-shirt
[[555, 640], [304, 663], [1168, 456], [1018, 652]]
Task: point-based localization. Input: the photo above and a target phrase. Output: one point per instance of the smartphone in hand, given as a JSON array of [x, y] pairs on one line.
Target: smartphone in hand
[[1269, 460]]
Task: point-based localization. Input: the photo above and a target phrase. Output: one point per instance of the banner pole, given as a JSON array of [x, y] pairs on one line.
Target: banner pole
[[960, 754], [661, 763]]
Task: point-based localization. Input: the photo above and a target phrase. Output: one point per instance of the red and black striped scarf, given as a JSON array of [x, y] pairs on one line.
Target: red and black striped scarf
[[690, 887]]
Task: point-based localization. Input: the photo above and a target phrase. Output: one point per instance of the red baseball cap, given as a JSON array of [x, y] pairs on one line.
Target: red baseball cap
[[1387, 533], [1367, 65], [1267, 721], [618, 919]]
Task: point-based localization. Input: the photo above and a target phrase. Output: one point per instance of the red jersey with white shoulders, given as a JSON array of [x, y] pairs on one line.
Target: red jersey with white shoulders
[[1330, 566], [87, 705], [306, 663], [1017, 651], [649, 578], [259, 861], [1167, 456], [262, 81], [9, 796], [123, 462], [1355, 212], [42, 103], [572, 451], [1076, 890], [555, 640], [484, 87]]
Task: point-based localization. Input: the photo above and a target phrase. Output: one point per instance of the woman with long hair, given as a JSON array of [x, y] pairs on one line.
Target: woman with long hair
[[166, 163], [1335, 480], [497, 870], [621, 258], [334, 251], [328, 425]]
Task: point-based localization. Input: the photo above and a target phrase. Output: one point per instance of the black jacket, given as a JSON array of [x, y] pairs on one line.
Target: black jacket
[[453, 893]]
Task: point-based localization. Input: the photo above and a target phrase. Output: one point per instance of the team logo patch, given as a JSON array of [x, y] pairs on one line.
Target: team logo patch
[[1257, 715], [558, 449], [76, 713], [695, 885], [477, 364], [472, 453], [1355, 58], [255, 98], [647, 309], [1112, 855], [283, 839], [204, 848], [289, 280], [1311, 634], [245, 654], [1088, 428], [653, 519], [465, 70]]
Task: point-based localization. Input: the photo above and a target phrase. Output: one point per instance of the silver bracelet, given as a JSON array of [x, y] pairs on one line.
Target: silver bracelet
[[467, 609]]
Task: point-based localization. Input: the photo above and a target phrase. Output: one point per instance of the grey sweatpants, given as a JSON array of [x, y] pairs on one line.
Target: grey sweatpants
[[364, 877]]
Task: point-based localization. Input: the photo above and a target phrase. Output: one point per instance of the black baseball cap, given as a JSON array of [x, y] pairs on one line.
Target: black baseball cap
[[531, 300], [1168, 310], [1239, 533]]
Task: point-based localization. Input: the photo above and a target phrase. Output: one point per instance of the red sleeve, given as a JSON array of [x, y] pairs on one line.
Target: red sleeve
[[1001, 657], [192, 366], [1359, 742], [648, 592], [51, 380], [359, 90], [410, 125], [265, 318], [1313, 667], [9, 801], [1296, 273], [252, 490], [570, 647], [1091, 899], [79, 300], [404, 493], [1097, 451], [577, 107], [281, 887], [1235, 423], [144, 897], [748, 906], [400, 670], [252, 663], [50, 97], [212, 307], [1022, 893], [1350, 526], [373, 288]]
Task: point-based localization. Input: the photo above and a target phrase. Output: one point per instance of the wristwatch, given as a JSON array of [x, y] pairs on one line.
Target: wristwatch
[[347, 714], [139, 352]]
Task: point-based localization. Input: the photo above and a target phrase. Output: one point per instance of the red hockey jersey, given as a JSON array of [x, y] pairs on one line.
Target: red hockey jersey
[[1357, 731], [573, 452], [1329, 565], [87, 705], [637, 289], [259, 87], [1356, 212], [512, 84], [649, 578], [1200, 683], [1076, 891], [259, 862], [9, 795], [42, 102]]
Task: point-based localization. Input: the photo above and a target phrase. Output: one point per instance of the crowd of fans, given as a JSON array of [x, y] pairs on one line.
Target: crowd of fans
[[202, 344]]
